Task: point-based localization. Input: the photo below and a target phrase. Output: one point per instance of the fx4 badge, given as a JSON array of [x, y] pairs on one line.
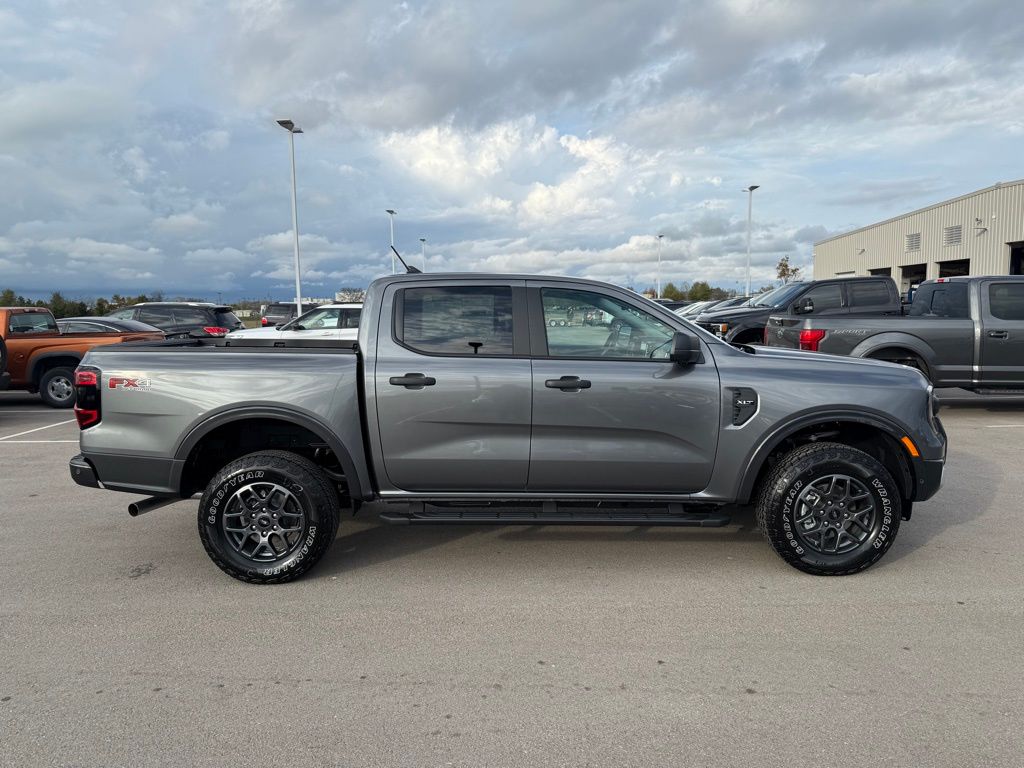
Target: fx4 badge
[[135, 385]]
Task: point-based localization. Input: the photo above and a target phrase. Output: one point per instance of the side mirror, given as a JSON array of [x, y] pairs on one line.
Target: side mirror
[[805, 306], [685, 349]]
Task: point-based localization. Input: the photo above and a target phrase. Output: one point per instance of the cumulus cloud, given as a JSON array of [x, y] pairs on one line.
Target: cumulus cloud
[[517, 136]]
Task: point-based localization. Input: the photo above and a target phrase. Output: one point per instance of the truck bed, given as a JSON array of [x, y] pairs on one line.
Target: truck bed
[[149, 390]]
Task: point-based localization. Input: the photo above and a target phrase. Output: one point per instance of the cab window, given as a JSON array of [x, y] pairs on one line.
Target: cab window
[[457, 320], [589, 324], [32, 322], [825, 298]]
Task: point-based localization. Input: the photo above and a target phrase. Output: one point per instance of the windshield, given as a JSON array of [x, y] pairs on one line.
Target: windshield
[[778, 297]]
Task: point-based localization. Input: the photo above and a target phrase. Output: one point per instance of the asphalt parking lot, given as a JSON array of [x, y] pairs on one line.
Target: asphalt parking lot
[[123, 645]]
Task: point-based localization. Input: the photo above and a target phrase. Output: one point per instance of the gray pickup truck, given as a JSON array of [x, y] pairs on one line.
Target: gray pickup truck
[[461, 403], [959, 331]]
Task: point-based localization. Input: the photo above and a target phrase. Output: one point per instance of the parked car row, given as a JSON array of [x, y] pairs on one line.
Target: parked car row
[[963, 332], [40, 357]]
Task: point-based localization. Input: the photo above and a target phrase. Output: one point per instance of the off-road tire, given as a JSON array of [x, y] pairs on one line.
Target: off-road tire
[[65, 377], [310, 490], [779, 505]]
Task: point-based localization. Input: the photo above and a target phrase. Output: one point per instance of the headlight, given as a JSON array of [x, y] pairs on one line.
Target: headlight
[[722, 328], [933, 408]]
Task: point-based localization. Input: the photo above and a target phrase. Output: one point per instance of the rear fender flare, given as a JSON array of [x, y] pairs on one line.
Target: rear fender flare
[[37, 363], [314, 425], [895, 340]]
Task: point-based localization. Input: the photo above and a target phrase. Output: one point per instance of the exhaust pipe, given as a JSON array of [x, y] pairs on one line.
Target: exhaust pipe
[[137, 508]]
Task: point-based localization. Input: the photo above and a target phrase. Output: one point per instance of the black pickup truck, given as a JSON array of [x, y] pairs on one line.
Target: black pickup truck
[[959, 331], [870, 296]]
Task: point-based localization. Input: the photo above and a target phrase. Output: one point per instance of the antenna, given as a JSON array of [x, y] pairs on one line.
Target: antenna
[[408, 270]]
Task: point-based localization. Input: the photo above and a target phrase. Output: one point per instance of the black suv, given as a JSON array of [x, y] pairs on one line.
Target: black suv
[[183, 319], [745, 324]]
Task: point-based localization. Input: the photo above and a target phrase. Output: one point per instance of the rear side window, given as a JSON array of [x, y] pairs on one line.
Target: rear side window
[[458, 320], [83, 327], [158, 316], [873, 293], [1006, 300], [227, 319], [191, 316], [349, 318], [940, 300]]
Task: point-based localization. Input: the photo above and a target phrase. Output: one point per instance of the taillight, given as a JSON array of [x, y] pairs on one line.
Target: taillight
[[263, 321], [87, 397], [216, 330], [764, 338], [810, 338]]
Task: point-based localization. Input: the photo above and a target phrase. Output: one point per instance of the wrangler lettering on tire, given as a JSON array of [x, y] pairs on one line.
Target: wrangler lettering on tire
[[268, 517], [829, 509]]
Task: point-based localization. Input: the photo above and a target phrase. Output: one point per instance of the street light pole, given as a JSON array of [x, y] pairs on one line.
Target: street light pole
[[423, 253], [289, 126], [391, 220], [659, 265], [750, 211]]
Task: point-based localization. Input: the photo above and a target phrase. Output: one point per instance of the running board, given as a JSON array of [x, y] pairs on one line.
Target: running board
[[999, 392], [550, 514]]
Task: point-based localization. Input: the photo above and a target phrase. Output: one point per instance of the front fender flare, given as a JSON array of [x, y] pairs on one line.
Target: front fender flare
[[760, 455]]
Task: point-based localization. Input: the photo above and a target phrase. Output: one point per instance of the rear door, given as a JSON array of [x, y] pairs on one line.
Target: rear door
[[452, 386], [872, 297], [611, 413], [1002, 332]]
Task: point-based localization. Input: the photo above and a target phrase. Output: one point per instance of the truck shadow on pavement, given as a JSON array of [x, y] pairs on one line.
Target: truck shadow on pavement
[[957, 503], [367, 541]]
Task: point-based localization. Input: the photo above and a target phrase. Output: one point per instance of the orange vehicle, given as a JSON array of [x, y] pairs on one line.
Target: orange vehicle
[[39, 358]]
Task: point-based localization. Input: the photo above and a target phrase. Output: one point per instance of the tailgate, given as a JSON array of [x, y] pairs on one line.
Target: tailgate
[[783, 331]]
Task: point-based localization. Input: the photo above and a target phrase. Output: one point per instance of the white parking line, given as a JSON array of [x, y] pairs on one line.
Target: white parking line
[[41, 412], [1004, 426], [30, 431], [22, 442]]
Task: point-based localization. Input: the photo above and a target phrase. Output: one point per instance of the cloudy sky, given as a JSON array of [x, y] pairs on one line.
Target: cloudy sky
[[138, 149]]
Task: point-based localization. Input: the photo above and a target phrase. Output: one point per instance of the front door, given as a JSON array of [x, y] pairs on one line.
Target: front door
[[1002, 333], [611, 413], [452, 385]]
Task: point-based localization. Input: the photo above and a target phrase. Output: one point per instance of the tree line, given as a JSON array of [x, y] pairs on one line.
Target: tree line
[[61, 306]]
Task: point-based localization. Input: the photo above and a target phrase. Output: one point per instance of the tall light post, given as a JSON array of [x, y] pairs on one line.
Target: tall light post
[[391, 220], [750, 219], [659, 265], [423, 253], [292, 129]]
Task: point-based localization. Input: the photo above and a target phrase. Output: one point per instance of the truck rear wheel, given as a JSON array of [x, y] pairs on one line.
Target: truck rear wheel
[[57, 387], [268, 517], [829, 509]]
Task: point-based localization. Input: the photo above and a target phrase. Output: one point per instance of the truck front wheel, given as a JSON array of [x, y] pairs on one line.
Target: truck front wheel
[[829, 509], [268, 517]]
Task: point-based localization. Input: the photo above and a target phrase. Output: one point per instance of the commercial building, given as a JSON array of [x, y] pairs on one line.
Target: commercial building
[[981, 233]]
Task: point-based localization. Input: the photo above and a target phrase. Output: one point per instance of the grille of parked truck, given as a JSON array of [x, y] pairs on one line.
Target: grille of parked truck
[[959, 332], [475, 399]]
